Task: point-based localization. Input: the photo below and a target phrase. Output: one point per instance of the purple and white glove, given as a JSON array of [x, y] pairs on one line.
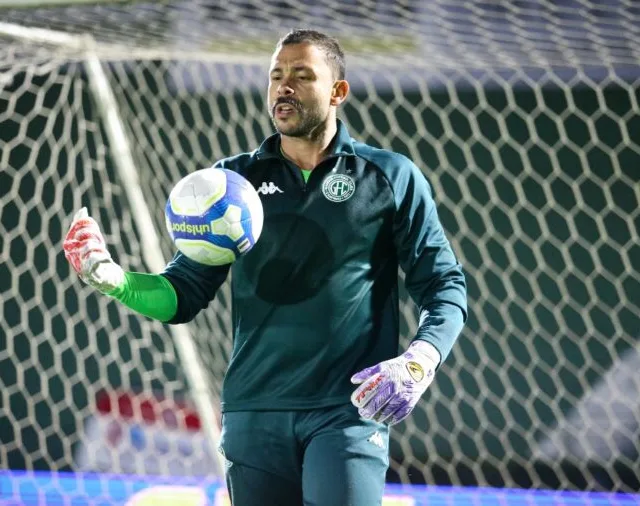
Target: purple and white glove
[[389, 391]]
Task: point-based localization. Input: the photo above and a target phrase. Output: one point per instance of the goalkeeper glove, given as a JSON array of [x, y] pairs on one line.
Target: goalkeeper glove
[[85, 249], [389, 391]]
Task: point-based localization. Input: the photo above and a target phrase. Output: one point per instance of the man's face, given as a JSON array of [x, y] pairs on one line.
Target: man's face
[[300, 87]]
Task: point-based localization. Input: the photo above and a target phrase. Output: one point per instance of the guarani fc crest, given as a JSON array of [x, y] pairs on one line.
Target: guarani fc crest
[[338, 187]]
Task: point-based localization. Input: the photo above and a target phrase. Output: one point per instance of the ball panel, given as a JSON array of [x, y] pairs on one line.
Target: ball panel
[[196, 228], [244, 246], [204, 252], [220, 226], [233, 214], [242, 191], [197, 192], [254, 205]]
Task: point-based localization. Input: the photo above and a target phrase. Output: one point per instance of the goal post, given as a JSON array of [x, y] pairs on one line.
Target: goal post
[[121, 155], [524, 117]]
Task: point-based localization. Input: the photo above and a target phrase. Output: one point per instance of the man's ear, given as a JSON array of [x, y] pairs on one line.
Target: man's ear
[[339, 92]]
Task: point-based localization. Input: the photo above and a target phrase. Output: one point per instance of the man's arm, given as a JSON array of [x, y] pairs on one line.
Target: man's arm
[[175, 296], [433, 276], [195, 284], [390, 390], [150, 295]]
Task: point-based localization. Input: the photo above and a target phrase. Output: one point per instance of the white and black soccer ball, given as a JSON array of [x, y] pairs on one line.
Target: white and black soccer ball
[[214, 216]]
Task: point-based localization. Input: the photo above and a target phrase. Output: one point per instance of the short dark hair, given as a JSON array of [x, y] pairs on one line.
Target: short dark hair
[[330, 46]]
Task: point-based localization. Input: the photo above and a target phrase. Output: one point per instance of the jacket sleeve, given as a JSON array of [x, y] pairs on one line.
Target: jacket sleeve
[[195, 285], [433, 276]]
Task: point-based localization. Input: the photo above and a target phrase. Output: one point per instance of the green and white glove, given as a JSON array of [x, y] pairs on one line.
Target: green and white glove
[[85, 249]]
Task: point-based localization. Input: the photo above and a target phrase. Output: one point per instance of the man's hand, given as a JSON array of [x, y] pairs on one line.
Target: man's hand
[[86, 251], [389, 391]]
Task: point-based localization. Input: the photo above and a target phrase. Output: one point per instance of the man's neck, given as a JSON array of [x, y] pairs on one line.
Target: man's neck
[[308, 152]]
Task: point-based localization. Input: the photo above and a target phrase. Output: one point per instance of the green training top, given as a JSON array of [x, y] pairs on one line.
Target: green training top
[[316, 299]]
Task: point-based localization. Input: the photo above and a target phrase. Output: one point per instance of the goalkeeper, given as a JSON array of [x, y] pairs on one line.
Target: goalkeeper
[[314, 381]]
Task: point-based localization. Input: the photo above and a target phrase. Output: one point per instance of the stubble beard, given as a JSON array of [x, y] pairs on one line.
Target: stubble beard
[[310, 124]]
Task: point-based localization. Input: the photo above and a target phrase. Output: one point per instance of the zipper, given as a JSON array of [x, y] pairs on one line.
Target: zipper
[[305, 184], [297, 173], [320, 168]]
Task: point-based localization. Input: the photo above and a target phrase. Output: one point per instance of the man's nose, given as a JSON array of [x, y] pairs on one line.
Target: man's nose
[[284, 89]]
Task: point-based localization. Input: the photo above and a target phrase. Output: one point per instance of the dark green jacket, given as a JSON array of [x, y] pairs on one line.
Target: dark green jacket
[[316, 299]]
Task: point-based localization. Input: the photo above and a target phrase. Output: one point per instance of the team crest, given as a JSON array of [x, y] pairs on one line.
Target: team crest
[[416, 371], [338, 187]]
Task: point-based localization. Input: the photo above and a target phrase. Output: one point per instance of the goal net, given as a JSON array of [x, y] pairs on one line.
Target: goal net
[[524, 116]]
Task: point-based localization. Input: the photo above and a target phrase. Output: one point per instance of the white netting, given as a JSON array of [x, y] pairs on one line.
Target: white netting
[[524, 115]]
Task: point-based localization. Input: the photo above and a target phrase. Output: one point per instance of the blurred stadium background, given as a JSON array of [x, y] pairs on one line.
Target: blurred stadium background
[[523, 114]]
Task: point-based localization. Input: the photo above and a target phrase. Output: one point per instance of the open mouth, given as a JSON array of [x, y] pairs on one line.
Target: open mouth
[[285, 110]]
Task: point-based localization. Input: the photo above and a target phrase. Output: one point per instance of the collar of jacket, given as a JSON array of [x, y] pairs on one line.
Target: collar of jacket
[[342, 145]]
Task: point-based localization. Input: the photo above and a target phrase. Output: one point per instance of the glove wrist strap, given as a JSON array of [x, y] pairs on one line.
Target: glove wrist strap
[[425, 351], [105, 276]]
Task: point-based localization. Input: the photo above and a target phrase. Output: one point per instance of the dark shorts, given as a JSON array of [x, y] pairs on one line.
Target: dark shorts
[[322, 457]]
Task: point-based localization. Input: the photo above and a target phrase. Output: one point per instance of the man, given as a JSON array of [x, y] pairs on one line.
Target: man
[[314, 380]]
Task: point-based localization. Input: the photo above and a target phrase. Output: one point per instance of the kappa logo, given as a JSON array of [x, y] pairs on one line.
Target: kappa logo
[[338, 187], [227, 462], [416, 371], [376, 439], [268, 189]]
